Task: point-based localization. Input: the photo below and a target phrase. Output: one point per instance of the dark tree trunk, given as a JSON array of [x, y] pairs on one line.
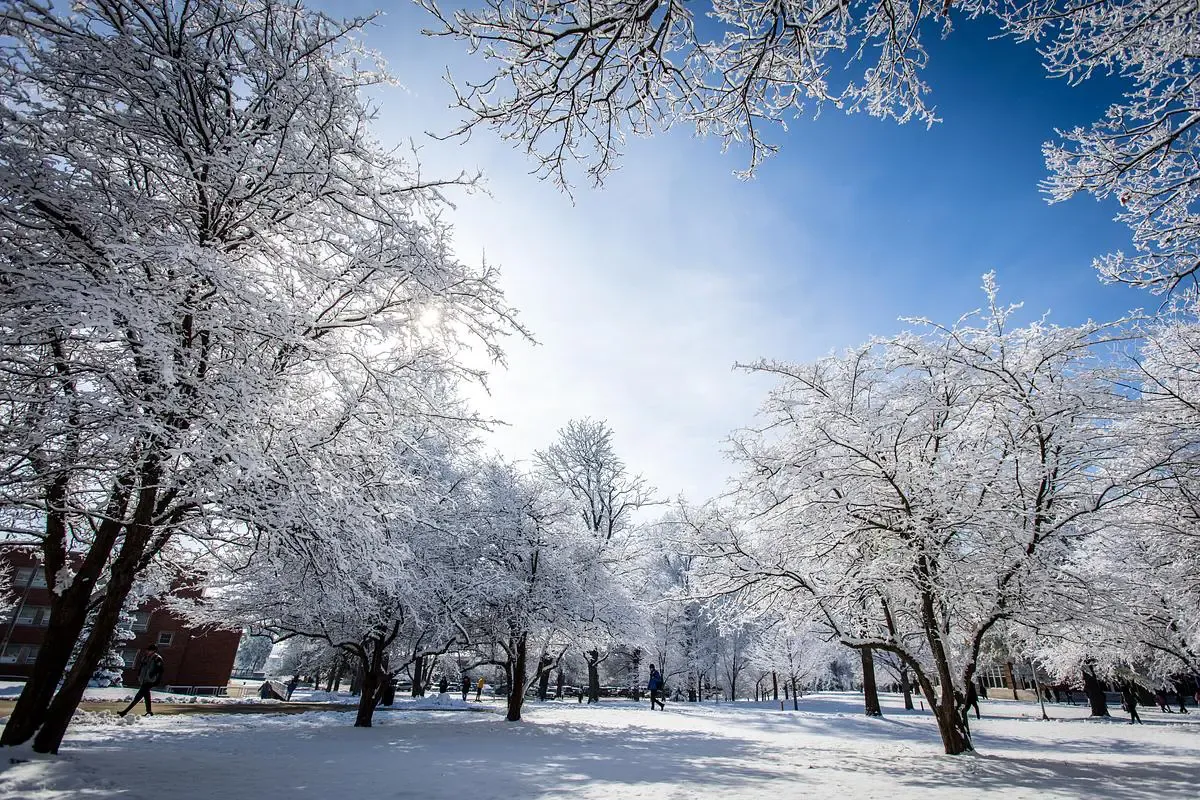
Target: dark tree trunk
[[68, 611], [124, 570], [775, 685], [418, 673], [367, 697], [795, 695], [516, 683], [870, 691], [906, 687], [544, 665], [339, 673], [373, 673], [558, 688], [952, 724], [593, 667], [1094, 692]]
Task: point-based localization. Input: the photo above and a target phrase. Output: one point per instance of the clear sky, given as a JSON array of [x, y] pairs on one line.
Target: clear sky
[[643, 294]]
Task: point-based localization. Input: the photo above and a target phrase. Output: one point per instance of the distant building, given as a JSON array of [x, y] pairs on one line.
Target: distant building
[[194, 660]]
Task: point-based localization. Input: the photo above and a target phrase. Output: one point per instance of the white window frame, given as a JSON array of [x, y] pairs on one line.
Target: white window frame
[[169, 641], [21, 580], [19, 654], [37, 616]]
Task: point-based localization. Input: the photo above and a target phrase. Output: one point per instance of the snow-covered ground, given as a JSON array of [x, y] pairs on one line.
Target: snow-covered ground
[[617, 750]]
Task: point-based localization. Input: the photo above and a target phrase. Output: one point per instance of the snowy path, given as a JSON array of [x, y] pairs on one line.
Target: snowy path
[[741, 752]]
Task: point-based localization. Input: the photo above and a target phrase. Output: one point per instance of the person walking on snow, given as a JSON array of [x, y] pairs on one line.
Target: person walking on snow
[[479, 690], [150, 672], [973, 698], [466, 686], [655, 686], [1129, 700]]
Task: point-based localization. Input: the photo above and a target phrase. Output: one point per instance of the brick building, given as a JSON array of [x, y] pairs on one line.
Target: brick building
[[193, 659]]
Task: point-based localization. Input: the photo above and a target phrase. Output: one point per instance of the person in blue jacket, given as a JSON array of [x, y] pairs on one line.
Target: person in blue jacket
[[656, 687]]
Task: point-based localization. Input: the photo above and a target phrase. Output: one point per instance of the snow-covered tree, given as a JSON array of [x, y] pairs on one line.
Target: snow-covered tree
[[358, 556], [196, 223], [253, 651], [539, 579], [584, 463], [917, 491], [571, 80], [800, 654]]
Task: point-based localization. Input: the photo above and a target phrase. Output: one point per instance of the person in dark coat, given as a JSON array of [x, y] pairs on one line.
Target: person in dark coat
[[150, 671], [655, 686], [291, 685], [1129, 700], [466, 686], [973, 698], [444, 685]]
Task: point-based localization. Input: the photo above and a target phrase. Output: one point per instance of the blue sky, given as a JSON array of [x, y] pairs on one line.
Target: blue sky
[[643, 294]]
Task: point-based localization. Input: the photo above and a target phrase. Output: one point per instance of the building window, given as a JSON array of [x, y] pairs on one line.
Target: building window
[[993, 677], [165, 639], [129, 656], [19, 654], [33, 615], [22, 578], [141, 621]]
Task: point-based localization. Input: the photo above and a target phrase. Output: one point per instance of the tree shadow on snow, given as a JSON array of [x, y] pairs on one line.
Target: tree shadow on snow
[[1116, 780], [479, 759]]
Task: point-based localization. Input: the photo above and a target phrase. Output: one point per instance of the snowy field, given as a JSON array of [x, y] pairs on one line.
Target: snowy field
[[616, 750]]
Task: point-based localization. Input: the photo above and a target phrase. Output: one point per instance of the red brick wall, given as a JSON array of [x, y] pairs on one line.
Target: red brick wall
[[195, 657]]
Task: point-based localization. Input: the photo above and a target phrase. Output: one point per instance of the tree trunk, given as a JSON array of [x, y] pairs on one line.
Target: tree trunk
[[30, 710], [418, 673], [1094, 692], [593, 666], [121, 576], [544, 678], [775, 685], [369, 688], [951, 723], [558, 689], [870, 691], [516, 684], [906, 687], [68, 615], [795, 695]]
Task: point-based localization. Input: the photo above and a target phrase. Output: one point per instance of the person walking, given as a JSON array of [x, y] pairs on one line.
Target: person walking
[[655, 685], [973, 698], [479, 690], [150, 671], [1129, 700], [1160, 697], [444, 685], [291, 685], [466, 686]]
